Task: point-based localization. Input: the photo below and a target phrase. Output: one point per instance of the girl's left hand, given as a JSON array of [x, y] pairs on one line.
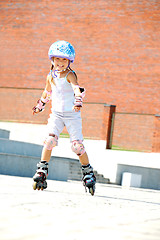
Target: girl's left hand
[[76, 109]]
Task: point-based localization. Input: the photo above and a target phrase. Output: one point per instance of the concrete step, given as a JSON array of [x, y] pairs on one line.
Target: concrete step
[[14, 153], [76, 174], [26, 166], [4, 134], [62, 169], [20, 148]]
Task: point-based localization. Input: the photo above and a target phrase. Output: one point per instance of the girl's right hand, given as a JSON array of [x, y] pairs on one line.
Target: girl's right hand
[[39, 108], [76, 109], [35, 110]]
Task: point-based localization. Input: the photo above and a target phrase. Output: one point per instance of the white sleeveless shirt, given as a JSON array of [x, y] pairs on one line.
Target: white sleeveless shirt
[[62, 95]]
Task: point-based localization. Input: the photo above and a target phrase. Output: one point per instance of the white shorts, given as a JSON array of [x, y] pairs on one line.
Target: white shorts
[[72, 121]]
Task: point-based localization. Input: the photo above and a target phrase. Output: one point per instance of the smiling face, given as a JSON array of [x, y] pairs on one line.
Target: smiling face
[[60, 64]]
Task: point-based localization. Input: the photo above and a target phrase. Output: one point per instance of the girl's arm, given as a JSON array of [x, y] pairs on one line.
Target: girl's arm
[[47, 91], [78, 91], [74, 82], [46, 95]]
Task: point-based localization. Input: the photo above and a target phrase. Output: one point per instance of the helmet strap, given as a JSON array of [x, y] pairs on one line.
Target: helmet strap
[[58, 71]]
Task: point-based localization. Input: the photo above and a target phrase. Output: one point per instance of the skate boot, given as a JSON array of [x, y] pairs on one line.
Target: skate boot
[[89, 179], [40, 176]]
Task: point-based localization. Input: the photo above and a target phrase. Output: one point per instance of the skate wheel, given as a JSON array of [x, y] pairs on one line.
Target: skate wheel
[[42, 188], [38, 188], [34, 185]]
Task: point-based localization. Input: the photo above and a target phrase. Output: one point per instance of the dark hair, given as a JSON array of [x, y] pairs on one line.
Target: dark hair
[[52, 67], [72, 71], [52, 80]]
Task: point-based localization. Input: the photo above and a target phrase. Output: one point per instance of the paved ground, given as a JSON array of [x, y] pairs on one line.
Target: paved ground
[[65, 211]]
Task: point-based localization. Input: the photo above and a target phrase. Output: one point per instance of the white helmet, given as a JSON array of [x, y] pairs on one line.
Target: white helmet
[[62, 49]]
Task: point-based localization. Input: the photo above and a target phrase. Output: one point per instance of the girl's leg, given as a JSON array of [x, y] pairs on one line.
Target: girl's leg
[[89, 179], [42, 171], [46, 154], [74, 127], [54, 128], [84, 159], [50, 142]]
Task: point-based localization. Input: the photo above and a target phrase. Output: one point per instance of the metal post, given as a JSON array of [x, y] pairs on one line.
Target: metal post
[[110, 126]]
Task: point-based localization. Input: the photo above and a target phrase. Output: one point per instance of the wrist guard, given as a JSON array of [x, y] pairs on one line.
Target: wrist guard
[[40, 106], [82, 90], [42, 102], [79, 99]]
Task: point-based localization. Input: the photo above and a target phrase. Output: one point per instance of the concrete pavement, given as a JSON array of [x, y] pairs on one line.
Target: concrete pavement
[[65, 211]]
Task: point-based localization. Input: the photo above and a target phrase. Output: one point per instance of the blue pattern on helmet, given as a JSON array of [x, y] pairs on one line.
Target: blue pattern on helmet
[[62, 49]]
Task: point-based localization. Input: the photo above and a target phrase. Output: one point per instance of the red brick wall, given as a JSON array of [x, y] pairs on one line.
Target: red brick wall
[[95, 120], [116, 43], [117, 46], [156, 134], [19, 103], [133, 131]]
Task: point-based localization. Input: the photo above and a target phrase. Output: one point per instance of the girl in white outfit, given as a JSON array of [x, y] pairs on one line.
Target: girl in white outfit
[[62, 87]]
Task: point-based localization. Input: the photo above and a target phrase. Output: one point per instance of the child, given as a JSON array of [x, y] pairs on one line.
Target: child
[[62, 87]]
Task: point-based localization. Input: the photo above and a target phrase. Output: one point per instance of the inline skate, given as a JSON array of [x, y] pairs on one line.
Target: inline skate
[[40, 176], [89, 179]]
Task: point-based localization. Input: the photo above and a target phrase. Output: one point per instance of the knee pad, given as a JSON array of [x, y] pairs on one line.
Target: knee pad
[[78, 147], [50, 142]]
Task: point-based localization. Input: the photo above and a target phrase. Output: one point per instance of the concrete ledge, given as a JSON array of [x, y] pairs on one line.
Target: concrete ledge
[[20, 148], [150, 176], [4, 133], [25, 166]]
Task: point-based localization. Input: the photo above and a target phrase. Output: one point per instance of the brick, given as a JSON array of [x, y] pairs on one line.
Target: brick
[[117, 55], [156, 134]]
